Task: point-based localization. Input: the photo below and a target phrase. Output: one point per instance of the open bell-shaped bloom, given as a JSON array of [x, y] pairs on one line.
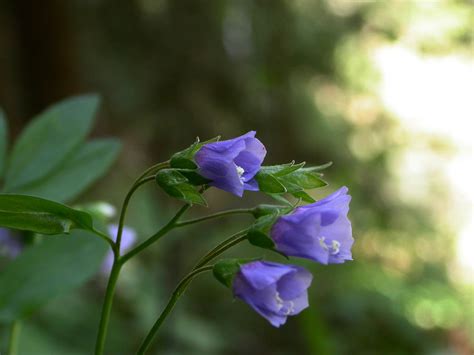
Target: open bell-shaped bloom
[[273, 290], [232, 164], [319, 231]]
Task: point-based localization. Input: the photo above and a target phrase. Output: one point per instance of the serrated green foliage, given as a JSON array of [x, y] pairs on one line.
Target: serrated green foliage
[[3, 141], [40, 216], [48, 140], [79, 171], [46, 270], [175, 184], [292, 178], [269, 183], [185, 158], [225, 270]]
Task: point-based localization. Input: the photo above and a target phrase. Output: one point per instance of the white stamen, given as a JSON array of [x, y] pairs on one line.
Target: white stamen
[[322, 243], [288, 307], [240, 170], [335, 247]]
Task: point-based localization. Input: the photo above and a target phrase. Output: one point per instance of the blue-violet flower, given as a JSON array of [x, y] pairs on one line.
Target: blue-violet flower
[[319, 231], [232, 164], [275, 291]]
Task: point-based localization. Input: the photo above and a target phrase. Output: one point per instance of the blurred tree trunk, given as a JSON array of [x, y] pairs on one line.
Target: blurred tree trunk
[[38, 56]]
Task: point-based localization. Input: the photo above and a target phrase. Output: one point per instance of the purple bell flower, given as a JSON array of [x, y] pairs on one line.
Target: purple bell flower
[[128, 239], [10, 244], [231, 165], [319, 231], [275, 291]]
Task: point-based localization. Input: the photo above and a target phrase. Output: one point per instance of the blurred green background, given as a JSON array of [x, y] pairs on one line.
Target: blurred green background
[[381, 88]]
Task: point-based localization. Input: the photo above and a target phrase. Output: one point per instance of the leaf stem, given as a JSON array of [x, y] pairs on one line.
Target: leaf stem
[[222, 247], [179, 290], [215, 215], [14, 338]]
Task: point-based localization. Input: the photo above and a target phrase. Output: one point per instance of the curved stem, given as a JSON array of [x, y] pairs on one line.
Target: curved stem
[[222, 247], [139, 182], [214, 215], [165, 229], [106, 238], [14, 338], [169, 307], [107, 306]]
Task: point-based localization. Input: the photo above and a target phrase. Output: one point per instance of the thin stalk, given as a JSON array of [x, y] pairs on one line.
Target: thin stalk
[[14, 338], [222, 247], [106, 238], [215, 215], [139, 182], [165, 229], [179, 290], [106, 307]]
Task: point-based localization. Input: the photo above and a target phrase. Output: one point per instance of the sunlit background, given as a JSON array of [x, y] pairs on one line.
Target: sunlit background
[[384, 89]]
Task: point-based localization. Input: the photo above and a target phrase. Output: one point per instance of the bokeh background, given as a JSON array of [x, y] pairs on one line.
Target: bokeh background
[[384, 89]]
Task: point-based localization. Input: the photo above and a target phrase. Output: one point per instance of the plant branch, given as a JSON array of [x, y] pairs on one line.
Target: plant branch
[[179, 290]]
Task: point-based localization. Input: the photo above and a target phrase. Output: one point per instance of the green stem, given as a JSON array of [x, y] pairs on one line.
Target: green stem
[[215, 215], [106, 307], [222, 247], [169, 307], [139, 182], [169, 226], [14, 338], [106, 238]]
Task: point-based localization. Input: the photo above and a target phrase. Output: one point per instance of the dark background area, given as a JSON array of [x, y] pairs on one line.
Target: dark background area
[[301, 74]]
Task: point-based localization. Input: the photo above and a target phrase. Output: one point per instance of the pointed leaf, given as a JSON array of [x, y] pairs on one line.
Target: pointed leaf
[[39, 215], [49, 139], [270, 184], [77, 173]]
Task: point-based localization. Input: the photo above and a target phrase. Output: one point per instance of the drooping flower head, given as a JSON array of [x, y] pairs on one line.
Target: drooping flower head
[[232, 164], [319, 231], [273, 290], [10, 244], [128, 239]]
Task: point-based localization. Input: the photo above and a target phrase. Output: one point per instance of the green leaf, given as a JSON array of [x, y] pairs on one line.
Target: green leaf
[[175, 184], [224, 270], [270, 184], [49, 139], [194, 178], [302, 179], [304, 196], [170, 177], [46, 270], [260, 239], [280, 198], [40, 216], [77, 173], [282, 169], [3, 141], [185, 158], [319, 167]]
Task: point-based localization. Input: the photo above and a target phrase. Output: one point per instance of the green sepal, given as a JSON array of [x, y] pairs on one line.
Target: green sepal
[[269, 183], [264, 210], [304, 196], [282, 169], [225, 270], [185, 158], [260, 239], [194, 178], [177, 185]]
